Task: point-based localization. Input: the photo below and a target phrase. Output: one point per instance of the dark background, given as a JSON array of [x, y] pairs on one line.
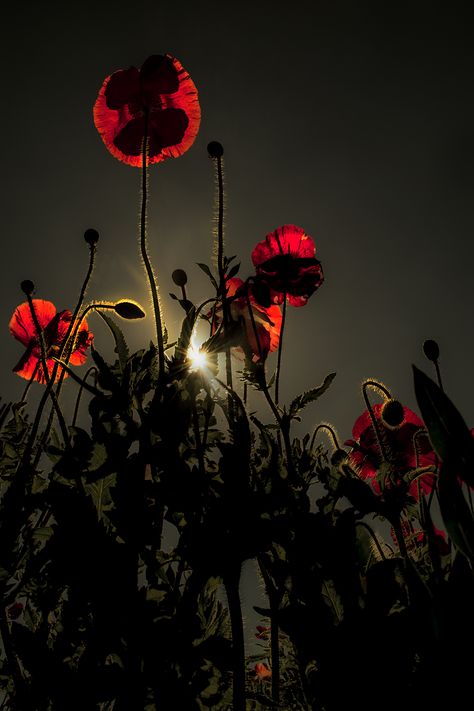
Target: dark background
[[353, 120]]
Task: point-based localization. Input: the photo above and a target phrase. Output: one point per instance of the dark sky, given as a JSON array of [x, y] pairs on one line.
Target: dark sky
[[353, 120]]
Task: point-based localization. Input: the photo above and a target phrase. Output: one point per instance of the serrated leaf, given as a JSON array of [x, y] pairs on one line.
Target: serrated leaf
[[449, 434], [121, 347], [300, 402]]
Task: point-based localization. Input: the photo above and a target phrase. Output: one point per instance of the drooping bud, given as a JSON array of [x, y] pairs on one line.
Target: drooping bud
[[129, 310], [431, 350], [91, 236], [215, 149], [392, 414], [179, 277], [27, 287], [338, 457]]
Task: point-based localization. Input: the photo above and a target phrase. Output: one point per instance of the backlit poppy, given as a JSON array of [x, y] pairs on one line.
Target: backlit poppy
[[54, 327], [260, 328], [398, 445], [262, 671], [164, 89], [285, 261]]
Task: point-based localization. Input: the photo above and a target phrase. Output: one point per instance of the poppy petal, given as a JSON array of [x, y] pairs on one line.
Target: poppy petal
[[128, 141], [167, 128], [158, 76], [121, 88], [21, 324]]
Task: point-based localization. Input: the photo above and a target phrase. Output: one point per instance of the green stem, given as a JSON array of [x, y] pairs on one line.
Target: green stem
[[274, 629]]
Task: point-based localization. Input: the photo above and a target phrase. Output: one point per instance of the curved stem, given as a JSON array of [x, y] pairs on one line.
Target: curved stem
[[377, 386], [144, 253], [331, 433]]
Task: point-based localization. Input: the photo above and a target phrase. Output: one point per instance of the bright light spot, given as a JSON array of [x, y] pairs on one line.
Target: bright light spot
[[197, 357]]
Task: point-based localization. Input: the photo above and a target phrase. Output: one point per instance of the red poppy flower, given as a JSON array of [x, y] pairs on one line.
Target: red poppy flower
[[398, 443], [164, 89], [285, 261], [262, 671], [54, 326], [261, 335]]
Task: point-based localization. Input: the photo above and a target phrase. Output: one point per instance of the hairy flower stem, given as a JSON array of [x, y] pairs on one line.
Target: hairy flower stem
[[67, 346], [376, 386], [28, 385], [222, 276], [231, 584], [280, 348], [144, 253], [331, 432], [273, 599], [49, 382]]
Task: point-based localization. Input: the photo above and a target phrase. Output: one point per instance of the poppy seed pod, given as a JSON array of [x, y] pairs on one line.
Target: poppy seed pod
[[215, 149], [91, 236], [129, 310], [179, 277], [392, 413], [431, 350], [338, 457], [27, 287]]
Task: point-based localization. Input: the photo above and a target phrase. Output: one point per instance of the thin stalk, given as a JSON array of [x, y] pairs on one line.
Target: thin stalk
[[280, 348], [28, 385], [144, 253], [331, 433], [79, 395], [67, 344], [378, 436], [231, 584], [274, 630]]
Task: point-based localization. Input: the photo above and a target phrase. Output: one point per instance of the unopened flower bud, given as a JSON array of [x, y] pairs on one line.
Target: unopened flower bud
[[392, 414], [27, 287], [338, 457], [431, 350], [215, 149], [179, 277], [91, 236], [129, 310]]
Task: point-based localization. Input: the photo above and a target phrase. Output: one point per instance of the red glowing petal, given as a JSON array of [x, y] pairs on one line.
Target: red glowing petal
[[21, 324], [122, 87], [168, 139], [83, 342], [364, 421], [167, 128], [158, 76], [28, 364], [129, 139], [288, 239]]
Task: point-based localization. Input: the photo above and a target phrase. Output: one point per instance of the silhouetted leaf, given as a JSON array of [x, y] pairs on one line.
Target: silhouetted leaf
[[449, 434], [121, 347]]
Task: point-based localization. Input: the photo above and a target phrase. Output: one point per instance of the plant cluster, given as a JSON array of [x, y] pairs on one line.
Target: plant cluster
[[123, 537]]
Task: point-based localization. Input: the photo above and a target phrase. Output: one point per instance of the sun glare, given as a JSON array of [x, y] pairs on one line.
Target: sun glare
[[197, 358]]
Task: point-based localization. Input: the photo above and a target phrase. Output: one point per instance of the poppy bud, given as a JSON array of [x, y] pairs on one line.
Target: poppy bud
[[338, 457], [128, 310], [392, 414], [27, 287], [215, 149], [179, 277], [91, 236], [431, 350]]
